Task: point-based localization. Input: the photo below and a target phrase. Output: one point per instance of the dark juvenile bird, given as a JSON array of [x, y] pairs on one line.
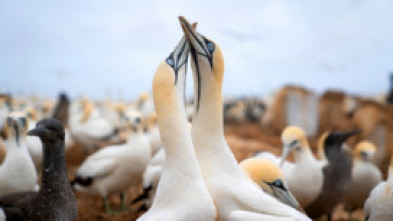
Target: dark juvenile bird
[[55, 201], [61, 109], [336, 175]]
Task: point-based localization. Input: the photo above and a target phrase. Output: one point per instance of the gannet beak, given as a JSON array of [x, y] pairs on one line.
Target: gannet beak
[[38, 131], [197, 41], [343, 136], [179, 55], [286, 197], [286, 150]]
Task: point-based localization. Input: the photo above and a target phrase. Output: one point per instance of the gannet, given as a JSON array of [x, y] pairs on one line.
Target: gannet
[[365, 176], [55, 200], [336, 175], [305, 176], [61, 109], [33, 143], [379, 204], [17, 173], [181, 193], [269, 177], [114, 169], [235, 196], [88, 126], [5, 109]]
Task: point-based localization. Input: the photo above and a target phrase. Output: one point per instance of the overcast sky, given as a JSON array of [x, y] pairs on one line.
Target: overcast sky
[[112, 48]]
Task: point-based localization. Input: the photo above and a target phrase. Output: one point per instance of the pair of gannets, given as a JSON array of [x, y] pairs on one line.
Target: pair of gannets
[[304, 177], [336, 175], [114, 169], [379, 205], [55, 200], [235, 196], [365, 176], [17, 173]]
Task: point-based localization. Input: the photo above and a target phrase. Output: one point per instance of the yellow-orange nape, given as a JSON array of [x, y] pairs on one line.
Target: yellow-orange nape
[[261, 170], [163, 86], [293, 133], [364, 147]]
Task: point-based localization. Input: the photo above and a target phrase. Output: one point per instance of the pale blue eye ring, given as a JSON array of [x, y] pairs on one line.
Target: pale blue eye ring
[[169, 61], [210, 46]]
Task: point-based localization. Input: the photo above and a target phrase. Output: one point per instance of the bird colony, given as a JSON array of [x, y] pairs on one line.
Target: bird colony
[[295, 155]]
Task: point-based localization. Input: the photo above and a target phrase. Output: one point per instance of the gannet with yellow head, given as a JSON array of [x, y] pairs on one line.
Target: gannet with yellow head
[[108, 170], [17, 173], [365, 176], [304, 177], [269, 177], [380, 202], [236, 196], [181, 193]]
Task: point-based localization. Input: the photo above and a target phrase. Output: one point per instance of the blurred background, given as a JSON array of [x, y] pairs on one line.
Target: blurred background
[[321, 65]]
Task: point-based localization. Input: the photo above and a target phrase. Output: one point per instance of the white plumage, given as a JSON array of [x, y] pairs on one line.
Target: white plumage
[[88, 126], [365, 176], [380, 202], [17, 173], [115, 168], [304, 177]]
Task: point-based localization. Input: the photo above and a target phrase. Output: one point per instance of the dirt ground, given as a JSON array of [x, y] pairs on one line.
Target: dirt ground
[[244, 141]]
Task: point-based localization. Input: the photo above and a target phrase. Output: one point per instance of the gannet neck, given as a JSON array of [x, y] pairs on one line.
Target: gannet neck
[[13, 145], [304, 155], [209, 117], [54, 160]]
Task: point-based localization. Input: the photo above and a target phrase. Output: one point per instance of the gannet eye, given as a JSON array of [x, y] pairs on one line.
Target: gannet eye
[[137, 120], [169, 61], [278, 183], [210, 46], [363, 154]]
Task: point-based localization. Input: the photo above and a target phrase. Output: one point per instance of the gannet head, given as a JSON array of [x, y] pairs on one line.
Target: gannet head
[[31, 113], [16, 126], [134, 121], [270, 178], [365, 151], [49, 130], [294, 139], [87, 108], [207, 60], [170, 77]]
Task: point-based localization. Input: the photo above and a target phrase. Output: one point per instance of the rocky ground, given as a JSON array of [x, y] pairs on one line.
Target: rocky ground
[[244, 141]]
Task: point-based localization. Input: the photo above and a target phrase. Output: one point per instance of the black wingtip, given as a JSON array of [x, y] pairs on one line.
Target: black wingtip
[[144, 195], [82, 181]]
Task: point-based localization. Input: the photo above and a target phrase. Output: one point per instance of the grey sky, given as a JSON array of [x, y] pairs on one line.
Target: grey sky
[[96, 48]]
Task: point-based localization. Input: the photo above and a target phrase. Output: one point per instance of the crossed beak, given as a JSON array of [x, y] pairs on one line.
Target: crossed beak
[[196, 40]]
